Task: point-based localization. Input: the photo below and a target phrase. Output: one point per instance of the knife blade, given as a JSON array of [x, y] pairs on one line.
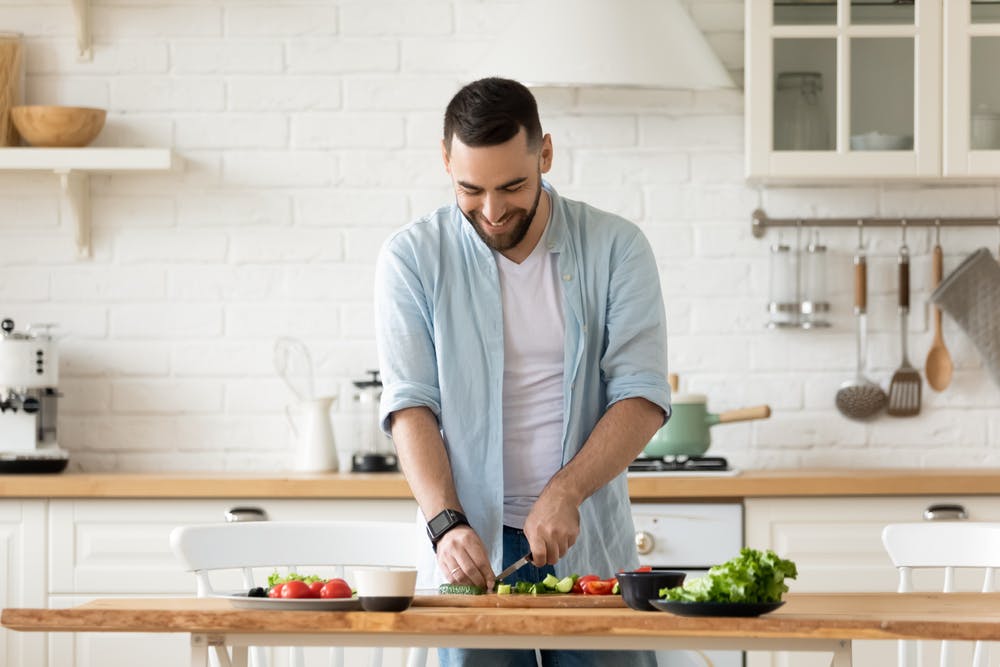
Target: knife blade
[[514, 567]]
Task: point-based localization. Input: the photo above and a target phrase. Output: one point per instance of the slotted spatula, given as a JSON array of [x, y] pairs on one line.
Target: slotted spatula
[[904, 390]]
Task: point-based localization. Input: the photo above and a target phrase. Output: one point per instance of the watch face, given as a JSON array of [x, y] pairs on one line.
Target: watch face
[[440, 522]]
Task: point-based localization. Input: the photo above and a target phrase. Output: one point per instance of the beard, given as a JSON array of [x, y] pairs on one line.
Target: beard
[[508, 240]]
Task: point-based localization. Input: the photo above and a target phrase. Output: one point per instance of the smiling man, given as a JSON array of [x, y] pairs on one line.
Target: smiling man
[[522, 342]]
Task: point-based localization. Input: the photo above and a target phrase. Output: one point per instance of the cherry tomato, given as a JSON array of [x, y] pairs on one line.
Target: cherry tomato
[[275, 591], [315, 587], [578, 586], [643, 568], [295, 589], [597, 587], [335, 588]]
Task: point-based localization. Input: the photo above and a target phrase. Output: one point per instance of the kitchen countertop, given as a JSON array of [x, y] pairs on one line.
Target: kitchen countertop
[[813, 482]]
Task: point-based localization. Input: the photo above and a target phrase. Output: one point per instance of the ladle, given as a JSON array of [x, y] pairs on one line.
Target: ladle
[[939, 366]]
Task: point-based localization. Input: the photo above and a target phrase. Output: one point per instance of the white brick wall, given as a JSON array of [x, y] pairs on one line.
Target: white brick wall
[[309, 131]]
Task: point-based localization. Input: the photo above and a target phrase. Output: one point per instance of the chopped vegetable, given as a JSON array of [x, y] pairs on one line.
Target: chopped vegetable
[[460, 589], [751, 577]]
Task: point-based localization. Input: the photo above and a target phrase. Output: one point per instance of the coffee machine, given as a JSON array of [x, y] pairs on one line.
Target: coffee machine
[[377, 453], [29, 378]]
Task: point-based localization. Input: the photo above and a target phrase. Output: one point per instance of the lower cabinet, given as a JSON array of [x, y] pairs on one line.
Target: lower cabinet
[[109, 548], [22, 575], [837, 545]]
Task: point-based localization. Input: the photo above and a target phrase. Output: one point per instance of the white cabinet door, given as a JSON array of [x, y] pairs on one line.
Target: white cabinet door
[[971, 89], [837, 545], [22, 576], [843, 90]]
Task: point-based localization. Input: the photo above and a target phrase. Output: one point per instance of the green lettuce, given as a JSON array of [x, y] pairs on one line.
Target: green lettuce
[[751, 577]]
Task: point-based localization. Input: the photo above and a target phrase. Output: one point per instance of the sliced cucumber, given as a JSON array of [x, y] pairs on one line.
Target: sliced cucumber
[[460, 589], [503, 589], [565, 585], [550, 581]]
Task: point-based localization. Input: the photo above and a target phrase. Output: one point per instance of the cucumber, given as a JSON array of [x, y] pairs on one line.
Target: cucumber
[[550, 581], [565, 585], [503, 589], [460, 589]]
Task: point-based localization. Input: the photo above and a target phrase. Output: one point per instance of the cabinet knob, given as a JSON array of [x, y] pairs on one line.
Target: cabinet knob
[[237, 514], [644, 542], [945, 512]]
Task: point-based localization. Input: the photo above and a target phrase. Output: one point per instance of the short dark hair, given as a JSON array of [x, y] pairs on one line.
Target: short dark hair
[[491, 111]]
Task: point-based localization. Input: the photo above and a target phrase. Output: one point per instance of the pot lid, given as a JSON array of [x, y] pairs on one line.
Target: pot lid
[[687, 399]]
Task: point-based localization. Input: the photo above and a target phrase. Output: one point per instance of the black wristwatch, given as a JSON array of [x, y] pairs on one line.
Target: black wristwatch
[[442, 523]]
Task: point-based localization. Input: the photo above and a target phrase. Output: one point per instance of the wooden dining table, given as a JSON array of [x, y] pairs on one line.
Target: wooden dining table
[[807, 622]]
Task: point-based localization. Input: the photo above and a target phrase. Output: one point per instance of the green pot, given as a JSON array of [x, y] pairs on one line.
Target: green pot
[[686, 433]]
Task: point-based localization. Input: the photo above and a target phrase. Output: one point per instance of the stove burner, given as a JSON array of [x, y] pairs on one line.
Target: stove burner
[[679, 464]]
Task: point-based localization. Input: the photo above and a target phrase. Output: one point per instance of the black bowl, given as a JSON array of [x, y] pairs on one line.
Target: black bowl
[[638, 588], [386, 603]]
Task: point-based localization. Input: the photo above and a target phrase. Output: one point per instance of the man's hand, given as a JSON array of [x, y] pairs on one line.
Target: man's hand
[[552, 526], [462, 557]]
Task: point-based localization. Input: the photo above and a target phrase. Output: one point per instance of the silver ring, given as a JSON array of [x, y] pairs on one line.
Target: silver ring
[[454, 570]]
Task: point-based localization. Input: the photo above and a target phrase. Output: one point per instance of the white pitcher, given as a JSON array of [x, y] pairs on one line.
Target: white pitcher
[[315, 448]]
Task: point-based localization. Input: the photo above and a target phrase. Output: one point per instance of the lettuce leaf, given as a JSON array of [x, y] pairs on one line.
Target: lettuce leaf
[[751, 577]]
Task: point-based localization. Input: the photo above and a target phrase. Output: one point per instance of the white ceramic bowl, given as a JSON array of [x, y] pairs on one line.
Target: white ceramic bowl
[[385, 588]]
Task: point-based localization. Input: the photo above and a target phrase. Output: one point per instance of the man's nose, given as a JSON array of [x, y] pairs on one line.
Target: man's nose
[[493, 208]]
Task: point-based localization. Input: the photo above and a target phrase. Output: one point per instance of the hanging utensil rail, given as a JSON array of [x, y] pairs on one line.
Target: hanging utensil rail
[[761, 222]]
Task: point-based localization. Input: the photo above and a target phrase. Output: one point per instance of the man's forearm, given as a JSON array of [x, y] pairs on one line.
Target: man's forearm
[[423, 460], [619, 437]]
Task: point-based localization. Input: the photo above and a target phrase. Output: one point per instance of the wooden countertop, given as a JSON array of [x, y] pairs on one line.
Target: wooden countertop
[[962, 616], [756, 483]]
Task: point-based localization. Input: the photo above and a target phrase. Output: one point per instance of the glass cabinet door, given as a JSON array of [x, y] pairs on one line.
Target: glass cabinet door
[[843, 88], [972, 88]]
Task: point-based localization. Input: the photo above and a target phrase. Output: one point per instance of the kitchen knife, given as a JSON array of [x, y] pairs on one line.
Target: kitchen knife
[[515, 566]]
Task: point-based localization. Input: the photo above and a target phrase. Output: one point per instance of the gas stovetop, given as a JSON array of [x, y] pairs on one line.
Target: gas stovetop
[[682, 466]]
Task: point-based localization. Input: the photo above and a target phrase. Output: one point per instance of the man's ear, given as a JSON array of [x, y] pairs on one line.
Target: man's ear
[[445, 157], [545, 155]]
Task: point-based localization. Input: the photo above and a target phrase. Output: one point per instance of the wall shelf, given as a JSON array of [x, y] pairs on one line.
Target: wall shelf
[[74, 166]]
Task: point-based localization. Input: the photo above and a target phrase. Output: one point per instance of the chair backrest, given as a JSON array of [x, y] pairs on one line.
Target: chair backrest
[[244, 546], [951, 545]]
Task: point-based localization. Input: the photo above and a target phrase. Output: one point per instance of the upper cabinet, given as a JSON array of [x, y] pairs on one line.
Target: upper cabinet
[[863, 89]]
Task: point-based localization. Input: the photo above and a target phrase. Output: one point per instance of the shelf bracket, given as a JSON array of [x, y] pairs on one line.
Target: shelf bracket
[[76, 207], [81, 12]]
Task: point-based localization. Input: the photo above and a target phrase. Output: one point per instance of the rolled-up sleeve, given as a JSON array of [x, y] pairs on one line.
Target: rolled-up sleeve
[[634, 363], [404, 334]]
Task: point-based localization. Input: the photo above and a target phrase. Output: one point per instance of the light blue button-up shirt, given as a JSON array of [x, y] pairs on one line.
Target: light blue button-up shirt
[[439, 327]]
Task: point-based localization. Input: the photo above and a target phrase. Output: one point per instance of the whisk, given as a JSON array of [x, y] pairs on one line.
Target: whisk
[[293, 363]]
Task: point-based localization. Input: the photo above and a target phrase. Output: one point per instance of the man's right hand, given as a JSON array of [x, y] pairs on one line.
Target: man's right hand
[[463, 559]]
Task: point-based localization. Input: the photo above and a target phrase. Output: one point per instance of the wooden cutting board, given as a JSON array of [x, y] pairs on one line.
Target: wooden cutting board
[[550, 600]]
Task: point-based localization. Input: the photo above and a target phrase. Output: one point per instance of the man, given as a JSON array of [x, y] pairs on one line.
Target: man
[[522, 343]]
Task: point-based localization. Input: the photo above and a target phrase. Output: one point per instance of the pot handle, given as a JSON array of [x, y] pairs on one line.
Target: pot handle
[[745, 414]]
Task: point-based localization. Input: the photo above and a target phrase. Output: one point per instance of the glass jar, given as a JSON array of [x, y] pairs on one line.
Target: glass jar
[[783, 302], [799, 118], [814, 307], [11, 84]]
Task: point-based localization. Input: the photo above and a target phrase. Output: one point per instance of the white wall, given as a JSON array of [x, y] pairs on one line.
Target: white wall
[[309, 131]]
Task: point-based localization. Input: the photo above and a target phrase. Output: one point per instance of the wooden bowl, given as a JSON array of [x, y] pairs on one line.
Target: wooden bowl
[[58, 127]]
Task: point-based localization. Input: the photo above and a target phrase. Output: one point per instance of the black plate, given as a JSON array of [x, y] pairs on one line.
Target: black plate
[[715, 608]]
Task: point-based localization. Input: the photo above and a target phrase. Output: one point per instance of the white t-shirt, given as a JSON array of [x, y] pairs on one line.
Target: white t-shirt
[[534, 344]]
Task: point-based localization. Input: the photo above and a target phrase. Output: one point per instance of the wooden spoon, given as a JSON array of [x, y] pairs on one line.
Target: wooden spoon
[[939, 365]]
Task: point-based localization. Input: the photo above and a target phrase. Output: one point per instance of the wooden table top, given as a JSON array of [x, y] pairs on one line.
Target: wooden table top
[[960, 616]]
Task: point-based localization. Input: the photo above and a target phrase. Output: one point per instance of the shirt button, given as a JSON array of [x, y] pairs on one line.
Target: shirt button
[[567, 276], [584, 327], [550, 246]]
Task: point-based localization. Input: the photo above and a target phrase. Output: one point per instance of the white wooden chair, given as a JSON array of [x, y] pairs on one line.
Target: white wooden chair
[[209, 549], [951, 545]]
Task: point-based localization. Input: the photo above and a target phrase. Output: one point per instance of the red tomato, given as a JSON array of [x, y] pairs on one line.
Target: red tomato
[[643, 568], [315, 587], [275, 591], [578, 586], [597, 587], [295, 589], [335, 588]]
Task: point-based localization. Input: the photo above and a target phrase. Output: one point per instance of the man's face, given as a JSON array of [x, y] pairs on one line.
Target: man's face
[[498, 187]]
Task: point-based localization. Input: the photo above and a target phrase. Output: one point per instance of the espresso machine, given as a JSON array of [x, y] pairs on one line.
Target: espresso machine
[[29, 378]]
